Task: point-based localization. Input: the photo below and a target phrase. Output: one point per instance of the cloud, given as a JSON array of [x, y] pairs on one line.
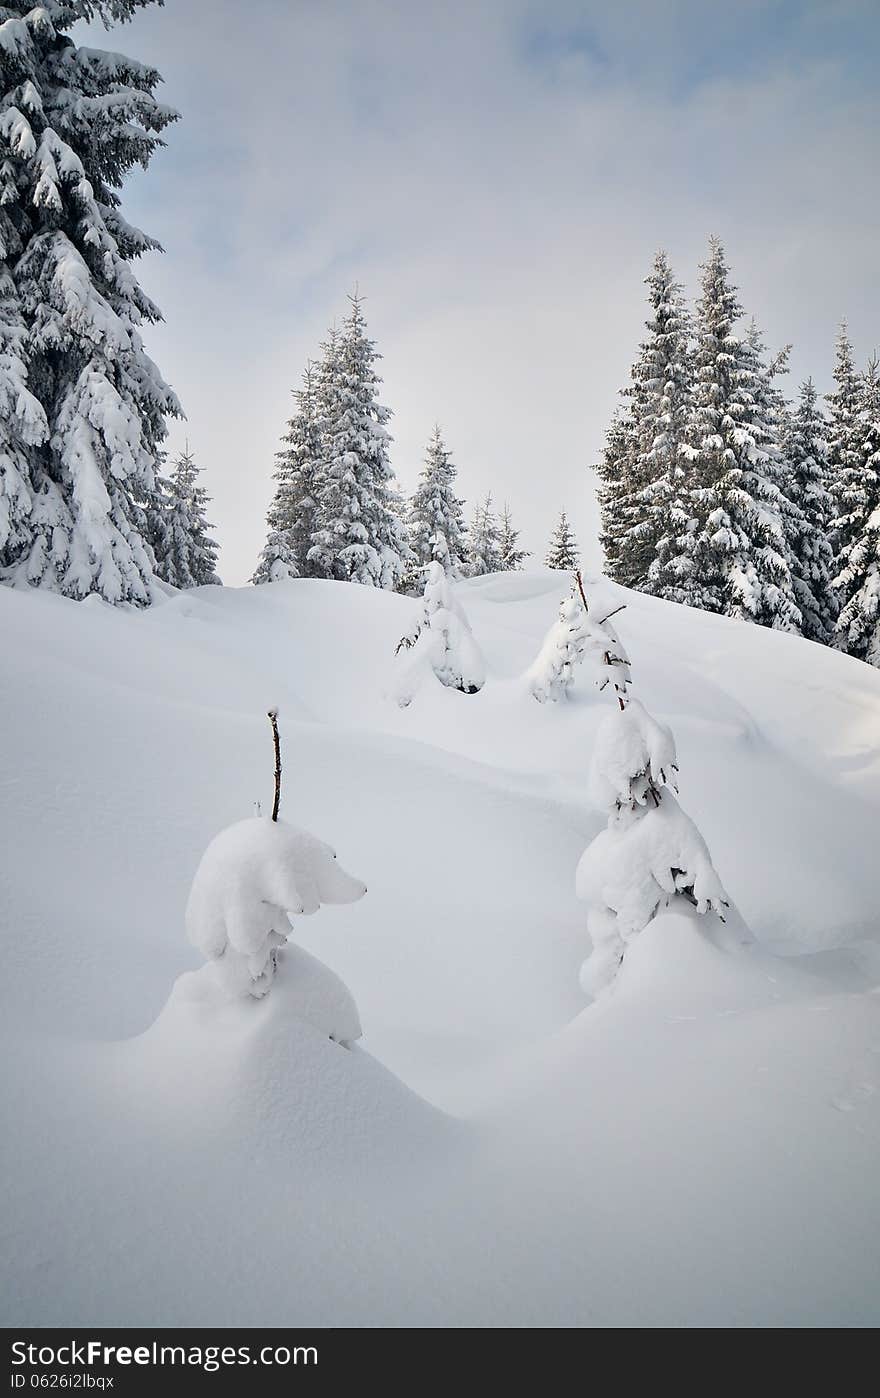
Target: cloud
[[496, 176]]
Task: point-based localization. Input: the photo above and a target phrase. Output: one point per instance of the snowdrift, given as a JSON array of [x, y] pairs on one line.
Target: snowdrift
[[697, 1147]]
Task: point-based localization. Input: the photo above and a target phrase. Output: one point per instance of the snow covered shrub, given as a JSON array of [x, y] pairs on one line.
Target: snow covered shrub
[[551, 674], [604, 648], [252, 877], [578, 634], [441, 641], [651, 855]]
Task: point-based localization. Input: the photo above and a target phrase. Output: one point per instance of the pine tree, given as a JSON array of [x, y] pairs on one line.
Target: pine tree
[[483, 554], [615, 488], [291, 516], [436, 519], [739, 551], [858, 579], [82, 407], [650, 856], [186, 555], [510, 556], [359, 537], [655, 508], [563, 550], [440, 640], [812, 558], [551, 674], [843, 436]]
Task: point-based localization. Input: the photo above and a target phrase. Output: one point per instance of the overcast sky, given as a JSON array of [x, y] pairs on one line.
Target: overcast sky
[[496, 175]]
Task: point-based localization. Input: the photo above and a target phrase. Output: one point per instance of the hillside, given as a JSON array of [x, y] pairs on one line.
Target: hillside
[[699, 1147]]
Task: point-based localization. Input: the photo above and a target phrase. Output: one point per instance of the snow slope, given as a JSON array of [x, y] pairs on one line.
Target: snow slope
[[699, 1147]]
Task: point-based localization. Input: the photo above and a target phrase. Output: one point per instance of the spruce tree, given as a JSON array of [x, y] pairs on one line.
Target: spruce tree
[[436, 519], [563, 550], [551, 674], [359, 537], [614, 470], [483, 554], [739, 548], [186, 555], [858, 581], [655, 507], [291, 516], [82, 407], [510, 556], [843, 436], [651, 856], [440, 640], [812, 558]]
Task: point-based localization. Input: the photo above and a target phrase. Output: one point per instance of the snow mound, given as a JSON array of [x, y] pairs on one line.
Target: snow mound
[[276, 1071], [690, 958], [252, 877], [697, 1147]]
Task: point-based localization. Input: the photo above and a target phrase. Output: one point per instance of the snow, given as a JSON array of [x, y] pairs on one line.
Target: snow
[[696, 1147]]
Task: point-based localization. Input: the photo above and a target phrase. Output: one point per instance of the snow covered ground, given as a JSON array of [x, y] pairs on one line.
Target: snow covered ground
[[699, 1147]]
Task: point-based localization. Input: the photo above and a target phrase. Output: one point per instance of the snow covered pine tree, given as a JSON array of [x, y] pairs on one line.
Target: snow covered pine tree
[[510, 556], [83, 406], [740, 554], [291, 517], [483, 541], [858, 528], [551, 674], [441, 641], [563, 551], [436, 518], [812, 557], [359, 536], [843, 434], [578, 633], [651, 855], [645, 472], [186, 555]]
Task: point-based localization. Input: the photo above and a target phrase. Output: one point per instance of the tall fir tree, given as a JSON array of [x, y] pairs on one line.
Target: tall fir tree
[[858, 579], [740, 548], [614, 470], [563, 550], [844, 430], [82, 407], [483, 541], [436, 515], [510, 556], [359, 536], [185, 552], [655, 508], [291, 516], [812, 557]]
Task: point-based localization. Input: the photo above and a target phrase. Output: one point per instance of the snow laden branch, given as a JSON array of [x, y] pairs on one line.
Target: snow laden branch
[[441, 642], [650, 855]]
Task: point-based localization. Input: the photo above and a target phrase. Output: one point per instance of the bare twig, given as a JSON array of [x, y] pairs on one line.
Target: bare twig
[[621, 608], [580, 582], [276, 741]]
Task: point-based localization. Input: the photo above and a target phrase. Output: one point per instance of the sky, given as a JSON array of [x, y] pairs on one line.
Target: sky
[[495, 177]]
